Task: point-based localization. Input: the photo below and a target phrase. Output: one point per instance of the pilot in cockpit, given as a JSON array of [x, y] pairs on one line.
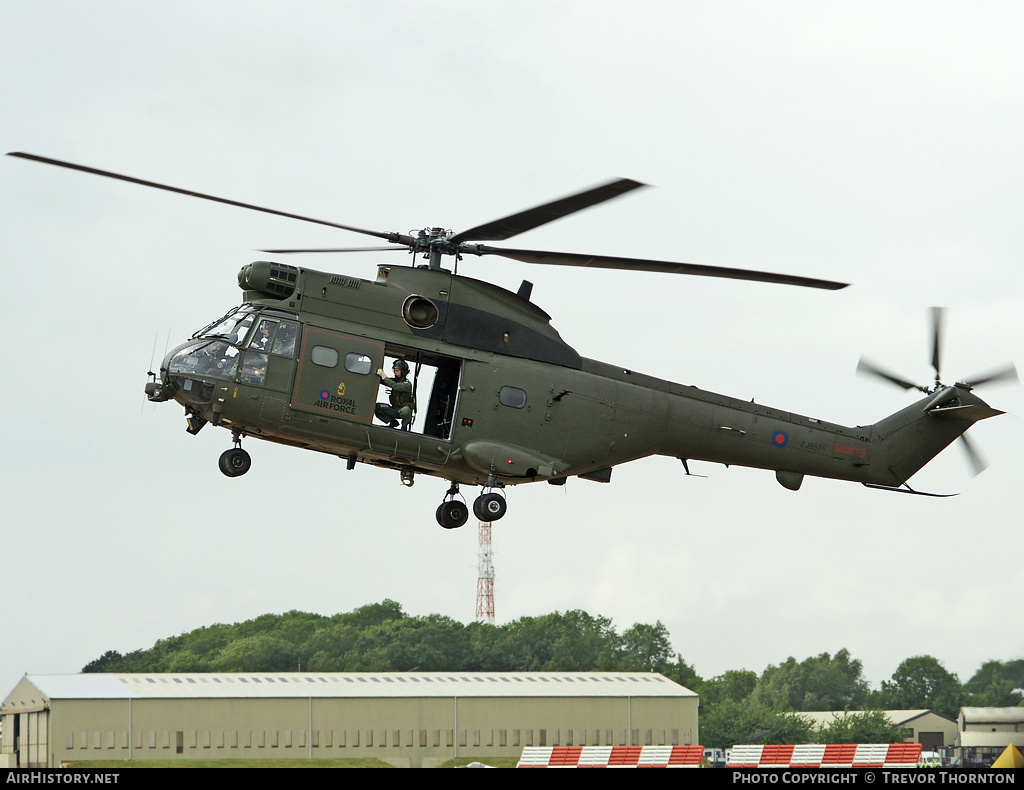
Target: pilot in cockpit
[[261, 340]]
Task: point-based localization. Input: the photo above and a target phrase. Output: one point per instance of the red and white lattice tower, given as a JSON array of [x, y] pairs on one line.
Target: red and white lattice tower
[[485, 577]]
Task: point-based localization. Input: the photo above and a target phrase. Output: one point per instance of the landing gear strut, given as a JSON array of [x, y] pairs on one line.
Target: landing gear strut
[[489, 506], [452, 513], [236, 461]]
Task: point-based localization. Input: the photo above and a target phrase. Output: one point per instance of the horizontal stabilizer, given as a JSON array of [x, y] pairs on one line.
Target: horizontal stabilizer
[[972, 412]]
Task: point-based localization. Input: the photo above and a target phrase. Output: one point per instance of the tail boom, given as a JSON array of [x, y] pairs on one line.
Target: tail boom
[[885, 454]]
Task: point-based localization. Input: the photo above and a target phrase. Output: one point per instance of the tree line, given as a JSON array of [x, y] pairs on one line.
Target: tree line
[[738, 706]]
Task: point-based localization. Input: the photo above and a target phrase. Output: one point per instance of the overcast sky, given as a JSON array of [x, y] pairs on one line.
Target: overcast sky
[[872, 143]]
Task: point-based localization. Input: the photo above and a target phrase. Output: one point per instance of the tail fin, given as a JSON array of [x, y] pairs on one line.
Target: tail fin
[[910, 438]]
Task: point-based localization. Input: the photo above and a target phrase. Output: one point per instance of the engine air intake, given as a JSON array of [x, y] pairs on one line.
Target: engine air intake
[[269, 278]]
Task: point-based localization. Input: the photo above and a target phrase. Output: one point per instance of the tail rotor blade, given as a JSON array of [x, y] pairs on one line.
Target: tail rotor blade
[[974, 458], [972, 410], [938, 319], [1007, 373]]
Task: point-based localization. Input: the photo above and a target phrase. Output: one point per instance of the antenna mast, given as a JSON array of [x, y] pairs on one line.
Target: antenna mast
[[485, 576]]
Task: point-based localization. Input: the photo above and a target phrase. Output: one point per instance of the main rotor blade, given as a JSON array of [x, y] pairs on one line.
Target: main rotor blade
[[107, 174], [1008, 373], [974, 458], [337, 249], [870, 368], [938, 318], [639, 264], [514, 224]]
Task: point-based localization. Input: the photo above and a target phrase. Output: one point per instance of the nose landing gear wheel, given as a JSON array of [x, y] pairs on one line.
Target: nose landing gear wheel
[[235, 462], [489, 507], [452, 514]]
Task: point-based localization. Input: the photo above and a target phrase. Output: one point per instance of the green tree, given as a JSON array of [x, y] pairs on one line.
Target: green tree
[[424, 644], [569, 642], [185, 661], [922, 682], [821, 682], [208, 642], [576, 640], [869, 727], [328, 645], [735, 685], [997, 684], [684, 674], [257, 653], [729, 723], [135, 661], [646, 648], [373, 614], [105, 663]]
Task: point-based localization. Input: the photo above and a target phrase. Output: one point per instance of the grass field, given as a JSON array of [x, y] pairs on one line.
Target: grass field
[[354, 762], [92, 765], [494, 762]]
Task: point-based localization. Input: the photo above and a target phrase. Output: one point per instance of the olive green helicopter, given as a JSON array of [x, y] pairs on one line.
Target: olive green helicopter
[[485, 392]]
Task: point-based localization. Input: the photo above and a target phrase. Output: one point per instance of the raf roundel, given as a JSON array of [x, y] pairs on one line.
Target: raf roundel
[[325, 395], [780, 438]]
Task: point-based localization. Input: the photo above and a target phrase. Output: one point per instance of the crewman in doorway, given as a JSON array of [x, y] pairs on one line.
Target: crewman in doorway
[[403, 404]]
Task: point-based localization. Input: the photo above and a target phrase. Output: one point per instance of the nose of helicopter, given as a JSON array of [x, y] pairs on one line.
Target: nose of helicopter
[[190, 372], [159, 388], [165, 384]]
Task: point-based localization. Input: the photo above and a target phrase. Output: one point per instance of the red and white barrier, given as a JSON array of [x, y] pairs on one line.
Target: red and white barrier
[[818, 755], [611, 757]]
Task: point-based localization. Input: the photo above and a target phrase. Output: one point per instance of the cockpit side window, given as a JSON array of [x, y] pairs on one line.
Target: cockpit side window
[[263, 337], [275, 337], [284, 340]]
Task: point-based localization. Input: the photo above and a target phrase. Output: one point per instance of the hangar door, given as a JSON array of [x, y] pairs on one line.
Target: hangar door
[[28, 736]]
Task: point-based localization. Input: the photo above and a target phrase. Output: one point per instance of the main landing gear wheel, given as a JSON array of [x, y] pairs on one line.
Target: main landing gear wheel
[[235, 462], [452, 514], [489, 507]]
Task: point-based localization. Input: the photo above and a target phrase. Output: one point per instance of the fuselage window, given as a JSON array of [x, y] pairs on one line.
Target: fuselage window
[[512, 396], [324, 357], [358, 363]]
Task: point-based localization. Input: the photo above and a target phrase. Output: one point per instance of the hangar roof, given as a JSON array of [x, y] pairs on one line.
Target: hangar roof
[[347, 684], [992, 715]]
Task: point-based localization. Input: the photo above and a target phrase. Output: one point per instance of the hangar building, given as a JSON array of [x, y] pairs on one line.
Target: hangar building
[[986, 732], [406, 719]]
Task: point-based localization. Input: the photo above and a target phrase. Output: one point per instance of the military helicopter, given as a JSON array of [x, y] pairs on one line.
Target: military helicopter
[[302, 361]]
